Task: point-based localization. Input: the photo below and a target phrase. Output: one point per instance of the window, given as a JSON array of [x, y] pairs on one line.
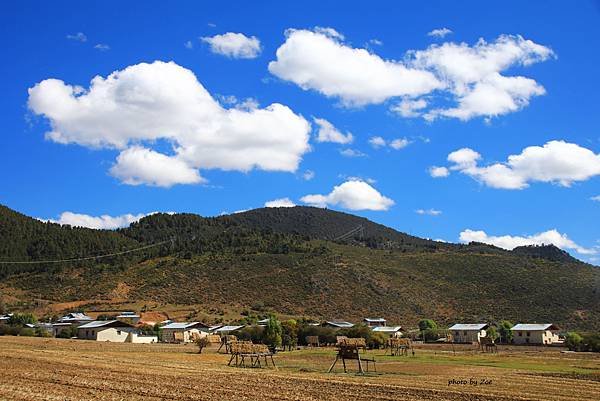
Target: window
[[118, 332], [456, 333], [464, 333], [520, 334], [528, 334]]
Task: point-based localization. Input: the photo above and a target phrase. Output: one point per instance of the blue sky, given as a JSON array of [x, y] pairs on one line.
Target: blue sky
[[211, 143]]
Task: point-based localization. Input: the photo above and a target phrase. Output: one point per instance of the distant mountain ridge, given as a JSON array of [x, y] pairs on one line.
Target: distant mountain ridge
[[295, 261]]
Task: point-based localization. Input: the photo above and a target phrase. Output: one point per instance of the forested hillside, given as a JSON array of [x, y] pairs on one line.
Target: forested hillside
[[286, 260]]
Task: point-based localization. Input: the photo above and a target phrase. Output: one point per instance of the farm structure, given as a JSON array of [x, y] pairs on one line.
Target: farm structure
[[468, 333], [246, 354], [112, 331], [128, 317], [544, 333], [338, 324], [183, 332], [375, 322], [350, 351], [399, 346], [392, 331]]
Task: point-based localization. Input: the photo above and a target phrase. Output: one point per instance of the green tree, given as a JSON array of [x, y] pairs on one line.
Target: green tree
[[492, 333], [289, 337], [504, 329], [21, 319], [426, 324], [573, 341], [272, 332]]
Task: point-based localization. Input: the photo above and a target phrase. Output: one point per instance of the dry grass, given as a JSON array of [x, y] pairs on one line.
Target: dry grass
[[53, 369]]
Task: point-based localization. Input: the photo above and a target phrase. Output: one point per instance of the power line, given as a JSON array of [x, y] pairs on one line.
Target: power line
[[29, 262]]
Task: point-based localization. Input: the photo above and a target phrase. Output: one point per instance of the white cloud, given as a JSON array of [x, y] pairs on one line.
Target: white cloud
[[409, 108], [104, 222], [188, 44], [377, 142], [428, 212], [133, 108], [596, 198], [351, 195], [137, 165], [322, 62], [439, 33], [472, 75], [282, 202], [399, 143], [79, 37], [329, 133], [555, 162], [234, 45], [510, 242], [352, 153], [102, 47], [438, 172], [308, 175]]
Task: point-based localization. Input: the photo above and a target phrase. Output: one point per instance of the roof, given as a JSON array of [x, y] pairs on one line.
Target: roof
[[374, 320], [228, 328], [104, 323], [339, 323], [469, 326], [75, 316], [263, 321], [534, 326], [128, 315], [387, 329], [184, 325]]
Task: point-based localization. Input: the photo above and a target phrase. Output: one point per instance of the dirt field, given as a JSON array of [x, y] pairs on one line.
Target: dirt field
[[54, 369]]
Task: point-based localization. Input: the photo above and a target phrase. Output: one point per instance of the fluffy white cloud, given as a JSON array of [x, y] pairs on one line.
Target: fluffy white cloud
[[282, 202], [596, 198], [234, 45], [351, 195], [556, 162], [439, 33], [510, 242], [133, 108], [377, 142], [428, 212], [104, 222], [188, 44], [438, 172], [319, 60], [472, 75], [328, 133], [102, 47]]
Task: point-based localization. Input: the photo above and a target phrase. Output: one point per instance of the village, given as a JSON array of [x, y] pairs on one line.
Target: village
[[130, 327]]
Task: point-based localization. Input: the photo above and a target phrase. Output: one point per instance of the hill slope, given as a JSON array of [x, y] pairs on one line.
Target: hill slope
[[284, 260]]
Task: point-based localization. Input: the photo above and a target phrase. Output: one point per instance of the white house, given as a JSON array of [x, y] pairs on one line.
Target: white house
[[392, 331], [183, 332], [469, 332], [543, 333], [374, 322], [112, 331]]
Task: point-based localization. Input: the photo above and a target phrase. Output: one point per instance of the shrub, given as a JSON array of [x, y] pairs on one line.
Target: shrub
[[21, 319], [377, 340], [202, 342], [504, 329], [272, 333]]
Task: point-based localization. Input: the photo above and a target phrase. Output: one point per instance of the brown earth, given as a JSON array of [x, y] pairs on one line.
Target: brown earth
[[54, 369]]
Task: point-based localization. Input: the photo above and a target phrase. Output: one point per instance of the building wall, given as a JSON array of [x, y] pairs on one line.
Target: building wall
[[137, 339], [467, 336], [104, 334], [534, 337]]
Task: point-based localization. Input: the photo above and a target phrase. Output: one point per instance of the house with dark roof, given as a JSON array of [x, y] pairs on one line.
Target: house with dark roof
[[468, 332], [535, 333]]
